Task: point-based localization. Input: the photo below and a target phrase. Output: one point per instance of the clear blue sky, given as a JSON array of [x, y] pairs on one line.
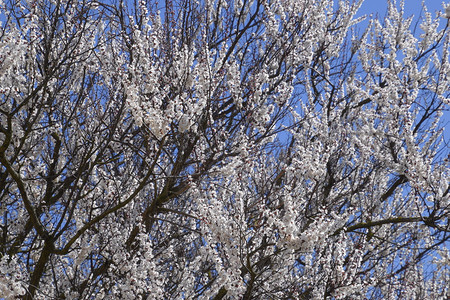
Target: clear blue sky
[[412, 7]]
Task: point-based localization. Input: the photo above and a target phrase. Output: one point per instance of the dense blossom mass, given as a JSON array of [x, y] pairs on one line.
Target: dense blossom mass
[[223, 149]]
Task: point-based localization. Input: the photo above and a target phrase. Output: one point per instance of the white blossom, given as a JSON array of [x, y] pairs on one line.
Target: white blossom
[[232, 150]]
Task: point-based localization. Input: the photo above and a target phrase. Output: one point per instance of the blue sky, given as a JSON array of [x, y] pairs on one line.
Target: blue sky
[[412, 7]]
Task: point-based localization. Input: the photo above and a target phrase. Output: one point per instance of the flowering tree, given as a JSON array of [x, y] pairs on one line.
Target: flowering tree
[[222, 150]]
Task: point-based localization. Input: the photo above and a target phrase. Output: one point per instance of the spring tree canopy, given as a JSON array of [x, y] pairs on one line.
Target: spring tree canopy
[[248, 149]]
